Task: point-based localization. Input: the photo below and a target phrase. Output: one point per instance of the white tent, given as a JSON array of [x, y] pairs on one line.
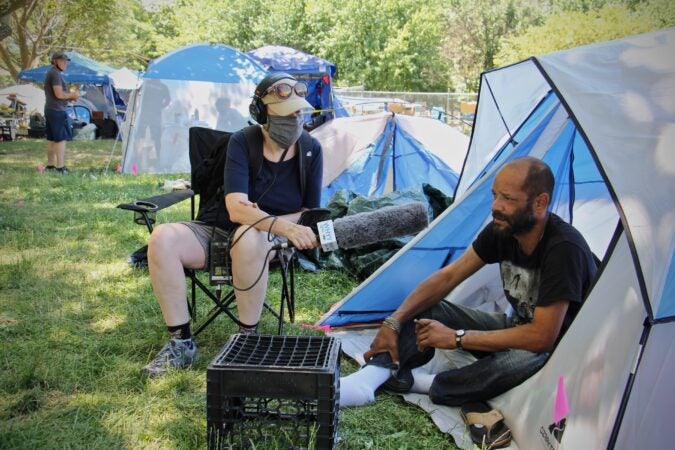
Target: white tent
[[205, 85], [603, 117], [33, 97]]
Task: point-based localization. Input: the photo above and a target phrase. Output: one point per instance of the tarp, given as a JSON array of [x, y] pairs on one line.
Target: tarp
[[379, 153], [315, 71], [206, 85], [603, 117]]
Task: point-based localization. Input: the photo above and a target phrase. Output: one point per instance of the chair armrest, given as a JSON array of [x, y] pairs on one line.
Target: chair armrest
[[158, 202]]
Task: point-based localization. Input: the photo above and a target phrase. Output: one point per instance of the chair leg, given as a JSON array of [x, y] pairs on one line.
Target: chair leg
[[222, 306]]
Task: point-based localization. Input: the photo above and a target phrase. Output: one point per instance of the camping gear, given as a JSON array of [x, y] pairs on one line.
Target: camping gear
[[315, 72], [380, 153], [602, 117], [199, 85]]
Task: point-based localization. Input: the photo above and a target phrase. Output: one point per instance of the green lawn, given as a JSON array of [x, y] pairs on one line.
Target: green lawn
[[78, 323]]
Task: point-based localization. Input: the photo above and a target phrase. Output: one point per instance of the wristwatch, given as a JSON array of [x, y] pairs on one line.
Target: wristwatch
[[458, 338]]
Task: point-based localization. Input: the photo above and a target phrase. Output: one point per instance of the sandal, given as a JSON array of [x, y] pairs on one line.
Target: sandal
[[486, 425]]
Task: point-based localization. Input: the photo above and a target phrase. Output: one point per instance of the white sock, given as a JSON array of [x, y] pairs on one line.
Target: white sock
[[358, 389], [423, 380]]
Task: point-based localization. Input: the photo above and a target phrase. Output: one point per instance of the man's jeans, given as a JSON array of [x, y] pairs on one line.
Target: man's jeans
[[492, 374]]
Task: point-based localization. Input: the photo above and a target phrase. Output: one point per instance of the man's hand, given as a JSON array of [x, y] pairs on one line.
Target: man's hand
[[386, 341], [431, 333]]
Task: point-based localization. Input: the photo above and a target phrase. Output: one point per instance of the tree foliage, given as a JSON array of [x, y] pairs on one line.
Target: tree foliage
[[571, 28], [435, 45], [475, 29], [103, 30]]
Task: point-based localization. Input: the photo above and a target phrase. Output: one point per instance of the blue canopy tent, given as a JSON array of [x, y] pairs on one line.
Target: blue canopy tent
[[313, 70], [96, 84], [608, 139]]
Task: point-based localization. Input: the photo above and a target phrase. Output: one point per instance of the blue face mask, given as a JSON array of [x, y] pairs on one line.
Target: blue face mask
[[284, 130]]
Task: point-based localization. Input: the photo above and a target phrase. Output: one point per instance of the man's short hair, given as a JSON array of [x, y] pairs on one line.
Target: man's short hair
[[539, 178]]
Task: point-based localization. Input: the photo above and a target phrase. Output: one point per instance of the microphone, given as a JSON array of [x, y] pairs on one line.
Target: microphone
[[370, 227]]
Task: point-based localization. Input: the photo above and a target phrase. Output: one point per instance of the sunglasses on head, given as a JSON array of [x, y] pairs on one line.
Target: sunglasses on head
[[285, 90]]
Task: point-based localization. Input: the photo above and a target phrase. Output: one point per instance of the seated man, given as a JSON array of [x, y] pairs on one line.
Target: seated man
[[546, 269], [258, 211]]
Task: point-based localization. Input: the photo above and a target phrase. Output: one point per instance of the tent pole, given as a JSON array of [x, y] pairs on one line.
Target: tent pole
[[629, 385]]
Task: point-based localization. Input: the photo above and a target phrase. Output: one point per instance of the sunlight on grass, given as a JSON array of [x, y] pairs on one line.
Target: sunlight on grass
[[78, 323]]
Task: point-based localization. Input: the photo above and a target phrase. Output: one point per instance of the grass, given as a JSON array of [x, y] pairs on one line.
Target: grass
[[77, 323]]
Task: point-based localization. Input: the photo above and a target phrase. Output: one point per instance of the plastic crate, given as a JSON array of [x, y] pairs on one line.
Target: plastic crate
[[274, 392]]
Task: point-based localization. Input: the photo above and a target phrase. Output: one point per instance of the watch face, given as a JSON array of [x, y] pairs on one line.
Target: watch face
[[459, 333]]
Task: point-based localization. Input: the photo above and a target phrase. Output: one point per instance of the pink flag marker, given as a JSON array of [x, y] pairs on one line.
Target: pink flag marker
[[561, 408], [134, 169]]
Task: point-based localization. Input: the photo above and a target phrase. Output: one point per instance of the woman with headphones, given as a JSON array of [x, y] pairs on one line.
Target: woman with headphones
[[259, 211]]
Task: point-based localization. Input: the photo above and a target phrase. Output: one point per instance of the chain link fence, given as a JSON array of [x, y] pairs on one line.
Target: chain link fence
[[455, 108]]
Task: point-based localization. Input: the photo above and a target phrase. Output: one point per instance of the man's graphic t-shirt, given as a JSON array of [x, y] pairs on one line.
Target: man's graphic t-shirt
[[561, 267]]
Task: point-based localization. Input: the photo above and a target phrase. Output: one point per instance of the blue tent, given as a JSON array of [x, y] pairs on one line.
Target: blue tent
[[92, 75], [317, 72], [214, 63], [601, 116], [379, 153], [203, 85]]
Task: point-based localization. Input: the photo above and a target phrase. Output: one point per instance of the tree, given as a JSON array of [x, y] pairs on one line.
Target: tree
[[475, 29], [98, 28], [384, 44], [574, 28]]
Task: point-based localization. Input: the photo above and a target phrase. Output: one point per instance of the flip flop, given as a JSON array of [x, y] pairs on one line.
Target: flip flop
[[486, 425]]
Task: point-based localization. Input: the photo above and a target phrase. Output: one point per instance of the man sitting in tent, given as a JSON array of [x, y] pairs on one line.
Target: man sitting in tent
[[546, 269]]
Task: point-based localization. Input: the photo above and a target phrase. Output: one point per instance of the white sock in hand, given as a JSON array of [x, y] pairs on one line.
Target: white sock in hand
[[358, 389]]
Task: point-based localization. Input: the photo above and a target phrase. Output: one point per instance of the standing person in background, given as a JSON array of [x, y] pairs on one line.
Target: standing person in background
[[59, 127]]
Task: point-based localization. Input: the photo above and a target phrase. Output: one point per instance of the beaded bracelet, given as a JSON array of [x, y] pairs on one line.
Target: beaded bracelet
[[392, 323]]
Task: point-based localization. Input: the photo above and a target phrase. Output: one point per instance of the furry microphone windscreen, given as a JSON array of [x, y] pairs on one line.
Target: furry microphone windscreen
[[380, 225]]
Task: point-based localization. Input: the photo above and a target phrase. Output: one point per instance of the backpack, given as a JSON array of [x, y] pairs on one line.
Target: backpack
[[208, 175]]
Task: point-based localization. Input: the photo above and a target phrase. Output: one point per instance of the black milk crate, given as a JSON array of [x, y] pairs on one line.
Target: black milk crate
[[274, 392]]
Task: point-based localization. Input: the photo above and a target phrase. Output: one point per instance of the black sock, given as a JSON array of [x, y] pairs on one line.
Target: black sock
[[180, 331], [248, 329]]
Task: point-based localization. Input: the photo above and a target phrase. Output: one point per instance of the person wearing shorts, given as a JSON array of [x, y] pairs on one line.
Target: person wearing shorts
[[257, 212], [59, 127]]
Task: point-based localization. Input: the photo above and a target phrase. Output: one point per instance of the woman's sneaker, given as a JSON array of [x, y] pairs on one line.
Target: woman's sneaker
[[63, 170], [177, 354]]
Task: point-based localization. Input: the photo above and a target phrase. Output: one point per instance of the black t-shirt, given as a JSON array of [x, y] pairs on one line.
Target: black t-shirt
[[561, 267], [276, 189]]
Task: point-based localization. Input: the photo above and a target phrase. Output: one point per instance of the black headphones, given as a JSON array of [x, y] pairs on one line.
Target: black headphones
[[257, 108]]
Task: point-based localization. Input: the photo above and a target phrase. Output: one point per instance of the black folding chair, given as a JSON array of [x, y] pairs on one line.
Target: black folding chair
[[202, 141]]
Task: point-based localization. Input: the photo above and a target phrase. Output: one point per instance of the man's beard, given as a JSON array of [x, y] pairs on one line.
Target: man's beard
[[520, 222]]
